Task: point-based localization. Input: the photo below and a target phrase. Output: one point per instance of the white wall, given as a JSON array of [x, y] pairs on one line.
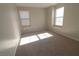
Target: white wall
[[9, 30], [50, 18], [38, 21], [71, 21]]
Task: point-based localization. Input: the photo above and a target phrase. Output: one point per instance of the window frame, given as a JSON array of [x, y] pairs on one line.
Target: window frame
[[23, 8], [58, 17]]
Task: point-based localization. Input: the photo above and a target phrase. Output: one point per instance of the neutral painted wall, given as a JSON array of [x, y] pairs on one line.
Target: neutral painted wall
[[50, 17], [9, 29], [38, 21], [71, 21]]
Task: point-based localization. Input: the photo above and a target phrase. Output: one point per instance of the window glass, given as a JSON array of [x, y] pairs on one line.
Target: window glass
[[24, 17], [60, 12], [59, 21], [59, 16], [24, 14]]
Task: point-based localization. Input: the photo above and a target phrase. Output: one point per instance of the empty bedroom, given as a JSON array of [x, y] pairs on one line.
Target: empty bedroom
[[39, 29]]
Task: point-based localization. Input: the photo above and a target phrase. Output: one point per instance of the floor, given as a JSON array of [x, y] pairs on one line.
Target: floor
[[47, 44]]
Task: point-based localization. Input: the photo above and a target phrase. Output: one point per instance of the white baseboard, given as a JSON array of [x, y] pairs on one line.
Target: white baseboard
[[66, 35]]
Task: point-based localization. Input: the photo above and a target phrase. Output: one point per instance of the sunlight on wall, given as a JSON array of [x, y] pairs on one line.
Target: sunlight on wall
[[44, 35], [28, 39]]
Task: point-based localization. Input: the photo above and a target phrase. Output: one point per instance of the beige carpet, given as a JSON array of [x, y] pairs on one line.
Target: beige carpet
[[55, 45]]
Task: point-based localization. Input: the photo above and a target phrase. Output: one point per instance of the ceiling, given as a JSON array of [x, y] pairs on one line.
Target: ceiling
[[40, 5]]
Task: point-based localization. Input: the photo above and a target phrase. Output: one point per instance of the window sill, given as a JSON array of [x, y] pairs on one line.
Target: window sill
[[58, 26]]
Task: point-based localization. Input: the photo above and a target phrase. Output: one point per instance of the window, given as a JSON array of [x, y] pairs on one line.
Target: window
[[24, 17], [59, 16]]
